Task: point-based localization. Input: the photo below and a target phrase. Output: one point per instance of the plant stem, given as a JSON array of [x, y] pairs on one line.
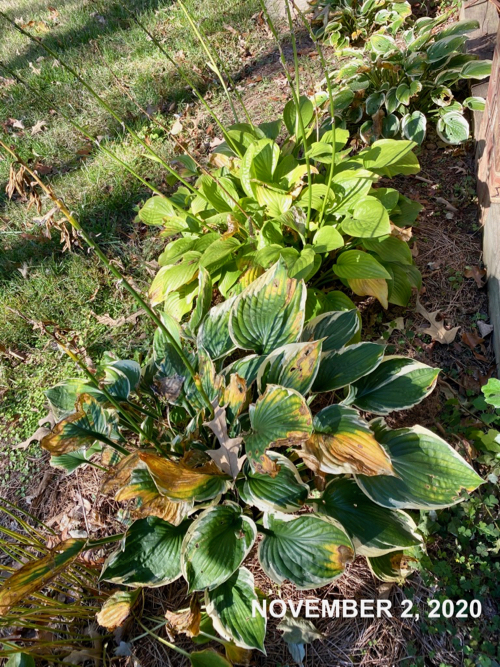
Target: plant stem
[[163, 641]]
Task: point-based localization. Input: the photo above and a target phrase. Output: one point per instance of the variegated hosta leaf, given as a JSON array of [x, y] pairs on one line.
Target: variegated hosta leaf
[[182, 480], [187, 622], [374, 530], [117, 608], [397, 384], [213, 334], [203, 302], [36, 574], [247, 367], [395, 566], [430, 473], [338, 328], [342, 442], [120, 474], [215, 546], [294, 365], [284, 491], [338, 368], [122, 377], [82, 428], [280, 417], [141, 486], [150, 554], [308, 550], [63, 396], [269, 312], [230, 608], [235, 396], [206, 379]]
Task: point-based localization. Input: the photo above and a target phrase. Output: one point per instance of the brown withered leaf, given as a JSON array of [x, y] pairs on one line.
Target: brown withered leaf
[[38, 127], [471, 339], [477, 273], [238, 655], [120, 321], [120, 475], [185, 622], [40, 433], [436, 330], [226, 457], [401, 233]]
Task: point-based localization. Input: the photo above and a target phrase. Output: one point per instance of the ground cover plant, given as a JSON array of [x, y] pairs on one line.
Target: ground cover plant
[[392, 87]]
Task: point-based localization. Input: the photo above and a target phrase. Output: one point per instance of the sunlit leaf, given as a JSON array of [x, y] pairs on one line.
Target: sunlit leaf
[[117, 608]]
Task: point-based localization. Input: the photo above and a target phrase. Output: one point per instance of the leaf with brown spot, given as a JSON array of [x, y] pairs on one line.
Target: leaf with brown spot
[[343, 443], [234, 396], [117, 608]]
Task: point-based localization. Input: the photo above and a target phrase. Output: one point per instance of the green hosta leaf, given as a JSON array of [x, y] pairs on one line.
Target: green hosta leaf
[[326, 239], [390, 157], [442, 96], [221, 194], [382, 44], [258, 165], [350, 186], [374, 530], [338, 368], [491, 392], [395, 566], [459, 28], [276, 203], [476, 69], [318, 193], [122, 377], [150, 554], [388, 196], [305, 265], [390, 126], [157, 210], [356, 264], [213, 334], [374, 102], [413, 126], [215, 545], [342, 442], [230, 608], [208, 658], [475, 103], [391, 101], [217, 254], [445, 47], [62, 397], [294, 366], [271, 129], [284, 492], [369, 219], [20, 660], [406, 212], [202, 303], [337, 328], [247, 368], [170, 278], [269, 312], [403, 94], [307, 550], [430, 473], [397, 384], [452, 128], [390, 249], [400, 287], [73, 460], [291, 115], [280, 416]]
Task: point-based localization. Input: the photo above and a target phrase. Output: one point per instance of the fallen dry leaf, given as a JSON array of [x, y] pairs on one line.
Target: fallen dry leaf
[[110, 322], [471, 339], [436, 330], [176, 127], [38, 127], [484, 329], [477, 273]]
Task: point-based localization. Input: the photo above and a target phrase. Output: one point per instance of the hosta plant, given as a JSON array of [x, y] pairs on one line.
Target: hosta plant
[[394, 87], [345, 21], [286, 469], [307, 200]]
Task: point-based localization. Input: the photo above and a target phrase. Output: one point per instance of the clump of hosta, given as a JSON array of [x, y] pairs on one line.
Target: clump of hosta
[[395, 87], [211, 487], [344, 21], [305, 198]]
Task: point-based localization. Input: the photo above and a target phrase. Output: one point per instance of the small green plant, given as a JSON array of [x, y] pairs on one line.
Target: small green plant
[[394, 87], [208, 482], [309, 201], [353, 21]]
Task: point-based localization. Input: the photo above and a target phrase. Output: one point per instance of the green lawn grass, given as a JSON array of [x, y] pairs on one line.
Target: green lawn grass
[[100, 40]]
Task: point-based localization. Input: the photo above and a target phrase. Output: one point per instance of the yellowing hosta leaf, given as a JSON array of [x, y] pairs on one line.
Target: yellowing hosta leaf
[[150, 554], [395, 566], [36, 574], [374, 530], [182, 481], [230, 608], [83, 427], [117, 608], [208, 658], [343, 443], [430, 473], [186, 622], [120, 475], [294, 365], [215, 546], [280, 417], [307, 550], [235, 395], [170, 278], [397, 384], [269, 312], [376, 287]]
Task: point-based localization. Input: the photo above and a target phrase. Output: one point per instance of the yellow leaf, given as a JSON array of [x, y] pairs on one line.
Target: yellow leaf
[[57, 442], [237, 655], [376, 287], [187, 622], [117, 608]]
